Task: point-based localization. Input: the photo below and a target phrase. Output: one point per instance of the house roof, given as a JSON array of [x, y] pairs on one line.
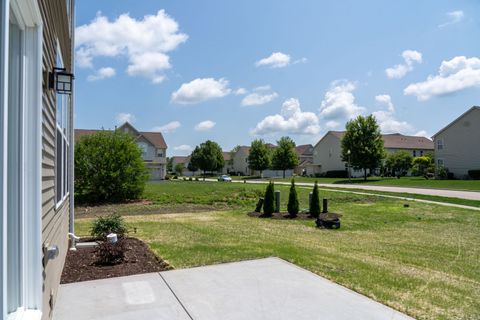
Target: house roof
[[181, 159], [457, 119], [155, 138], [227, 156], [304, 149], [396, 141]]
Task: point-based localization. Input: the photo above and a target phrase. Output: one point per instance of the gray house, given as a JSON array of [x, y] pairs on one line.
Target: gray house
[[36, 147], [152, 144], [457, 145]]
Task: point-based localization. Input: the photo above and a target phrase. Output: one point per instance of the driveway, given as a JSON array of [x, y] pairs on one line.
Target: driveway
[[263, 289]]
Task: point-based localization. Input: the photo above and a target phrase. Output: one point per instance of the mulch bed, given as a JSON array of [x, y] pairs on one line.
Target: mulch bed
[[282, 215], [80, 265]]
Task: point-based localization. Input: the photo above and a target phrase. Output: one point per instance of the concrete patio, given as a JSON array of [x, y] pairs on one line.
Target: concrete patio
[[264, 289]]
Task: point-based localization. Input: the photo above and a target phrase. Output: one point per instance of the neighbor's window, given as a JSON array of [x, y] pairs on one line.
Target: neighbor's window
[[414, 153], [439, 144], [62, 140], [440, 162], [160, 153], [143, 147]]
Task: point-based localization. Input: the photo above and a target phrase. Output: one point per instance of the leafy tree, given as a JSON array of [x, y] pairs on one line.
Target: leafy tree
[[293, 206], [108, 168], [259, 157], [191, 167], [284, 156], [423, 165], [169, 164], [364, 140], [269, 201], [207, 157], [179, 168], [232, 155], [315, 203], [399, 163]]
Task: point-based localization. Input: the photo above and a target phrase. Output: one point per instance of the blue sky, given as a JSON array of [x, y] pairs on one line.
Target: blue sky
[[232, 71]]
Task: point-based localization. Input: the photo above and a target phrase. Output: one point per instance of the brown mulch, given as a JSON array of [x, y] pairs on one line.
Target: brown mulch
[[80, 265], [282, 215]]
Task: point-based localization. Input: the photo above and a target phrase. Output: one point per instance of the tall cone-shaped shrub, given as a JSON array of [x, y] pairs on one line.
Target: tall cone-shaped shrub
[[315, 204], [269, 202], [292, 206]]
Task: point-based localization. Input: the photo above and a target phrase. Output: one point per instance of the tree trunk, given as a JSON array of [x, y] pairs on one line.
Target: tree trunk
[[204, 173], [365, 174], [283, 174]]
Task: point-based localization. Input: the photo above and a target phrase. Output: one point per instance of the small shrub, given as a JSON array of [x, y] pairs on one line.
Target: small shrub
[[442, 173], [269, 202], [315, 204], [184, 179], [196, 179], [108, 254], [474, 174], [175, 177], [167, 177], [336, 174], [113, 223], [293, 206], [190, 179]]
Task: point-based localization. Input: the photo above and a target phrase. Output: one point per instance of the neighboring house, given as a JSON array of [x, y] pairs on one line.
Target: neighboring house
[[305, 158], [327, 152], [36, 145], [152, 144], [228, 167], [457, 146], [183, 160]]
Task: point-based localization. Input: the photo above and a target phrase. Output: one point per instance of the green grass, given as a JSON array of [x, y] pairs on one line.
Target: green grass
[[422, 260], [417, 182]]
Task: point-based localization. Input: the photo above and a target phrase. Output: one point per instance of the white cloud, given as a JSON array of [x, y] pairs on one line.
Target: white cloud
[[386, 100], [332, 124], [422, 133], [291, 120], [453, 18], [168, 128], [205, 125], [275, 60], [240, 91], [454, 75], [387, 120], [200, 90], [263, 88], [400, 70], [257, 99], [125, 117], [144, 42], [102, 73], [339, 102], [183, 147]]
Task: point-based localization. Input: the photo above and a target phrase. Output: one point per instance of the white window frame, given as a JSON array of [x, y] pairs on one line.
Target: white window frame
[[64, 129], [440, 145], [438, 163], [28, 18]]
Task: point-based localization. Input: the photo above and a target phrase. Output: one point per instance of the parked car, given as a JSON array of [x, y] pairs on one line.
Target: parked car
[[225, 177]]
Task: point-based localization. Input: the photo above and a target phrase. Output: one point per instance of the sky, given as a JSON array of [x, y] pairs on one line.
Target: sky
[[234, 71]]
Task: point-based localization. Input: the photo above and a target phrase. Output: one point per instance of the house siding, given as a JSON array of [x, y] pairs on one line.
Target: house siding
[[461, 144], [55, 221], [327, 154]]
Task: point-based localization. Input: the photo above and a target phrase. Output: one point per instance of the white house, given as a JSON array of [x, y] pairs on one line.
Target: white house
[[457, 145], [36, 147], [327, 152]]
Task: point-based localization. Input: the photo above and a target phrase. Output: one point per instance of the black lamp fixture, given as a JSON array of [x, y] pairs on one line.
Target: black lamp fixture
[[61, 81]]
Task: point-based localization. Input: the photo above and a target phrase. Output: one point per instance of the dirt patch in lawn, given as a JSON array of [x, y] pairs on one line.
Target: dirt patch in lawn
[[282, 215], [81, 265]]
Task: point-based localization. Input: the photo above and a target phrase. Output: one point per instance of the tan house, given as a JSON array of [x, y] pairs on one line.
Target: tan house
[[36, 101], [457, 146], [185, 160], [152, 144], [327, 152], [305, 158]]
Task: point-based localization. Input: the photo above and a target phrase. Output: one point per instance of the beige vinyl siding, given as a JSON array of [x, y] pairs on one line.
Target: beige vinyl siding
[[461, 144], [327, 153], [55, 221]]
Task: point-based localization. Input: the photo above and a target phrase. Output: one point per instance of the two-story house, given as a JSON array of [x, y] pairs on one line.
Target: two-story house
[[152, 144]]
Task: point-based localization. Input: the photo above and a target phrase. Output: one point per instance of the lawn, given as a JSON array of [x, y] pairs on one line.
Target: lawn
[[417, 182], [421, 260]]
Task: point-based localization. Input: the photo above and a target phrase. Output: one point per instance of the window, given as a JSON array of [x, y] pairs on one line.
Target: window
[[439, 144], [62, 139], [143, 147], [414, 153], [440, 162], [159, 153], [421, 153]]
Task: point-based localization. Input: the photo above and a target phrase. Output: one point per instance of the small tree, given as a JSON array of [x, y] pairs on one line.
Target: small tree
[[315, 204], [108, 168], [284, 156], [191, 167], [207, 157], [259, 156], [399, 163], [364, 141], [169, 164], [179, 168], [423, 165], [269, 201], [293, 206]]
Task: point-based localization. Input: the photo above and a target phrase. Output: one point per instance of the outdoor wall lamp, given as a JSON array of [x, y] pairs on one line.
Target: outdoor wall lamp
[[61, 81]]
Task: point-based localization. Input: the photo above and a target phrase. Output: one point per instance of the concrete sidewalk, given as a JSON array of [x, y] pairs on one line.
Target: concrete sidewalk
[[259, 289]]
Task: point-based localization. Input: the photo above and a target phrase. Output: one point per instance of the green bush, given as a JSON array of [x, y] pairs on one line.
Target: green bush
[[112, 223], [474, 174], [315, 204], [442, 173], [293, 206], [108, 168], [336, 174], [269, 202], [108, 254]]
